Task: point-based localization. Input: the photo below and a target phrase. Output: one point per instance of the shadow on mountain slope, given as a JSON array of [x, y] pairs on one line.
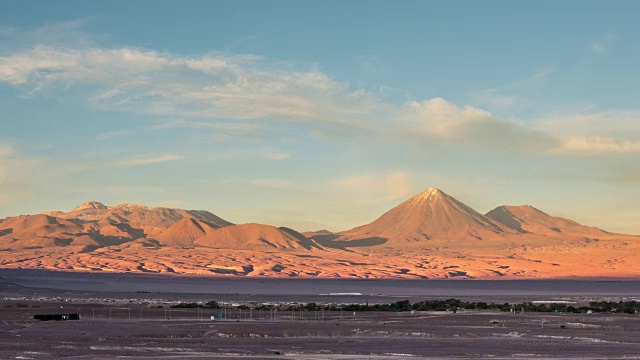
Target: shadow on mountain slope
[[329, 241], [305, 242]]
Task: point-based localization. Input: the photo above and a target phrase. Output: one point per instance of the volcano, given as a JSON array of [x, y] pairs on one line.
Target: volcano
[[429, 215]]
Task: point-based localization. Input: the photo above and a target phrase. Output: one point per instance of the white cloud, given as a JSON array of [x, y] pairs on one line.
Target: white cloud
[[440, 121], [149, 160], [603, 44], [605, 132], [442, 118], [240, 95], [216, 85]]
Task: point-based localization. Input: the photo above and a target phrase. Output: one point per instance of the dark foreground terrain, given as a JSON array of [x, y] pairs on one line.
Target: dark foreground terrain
[[131, 316], [142, 331]]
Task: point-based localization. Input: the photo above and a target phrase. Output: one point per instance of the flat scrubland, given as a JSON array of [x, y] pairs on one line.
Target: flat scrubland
[[135, 331], [129, 316]]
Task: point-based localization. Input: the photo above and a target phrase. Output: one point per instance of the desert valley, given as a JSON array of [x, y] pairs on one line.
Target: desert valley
[[430, 236]]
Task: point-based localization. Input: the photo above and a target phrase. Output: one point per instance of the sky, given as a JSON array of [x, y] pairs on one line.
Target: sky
[[321, 114]]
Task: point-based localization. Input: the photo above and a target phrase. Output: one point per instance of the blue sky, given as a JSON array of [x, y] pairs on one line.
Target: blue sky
[[321, 114]]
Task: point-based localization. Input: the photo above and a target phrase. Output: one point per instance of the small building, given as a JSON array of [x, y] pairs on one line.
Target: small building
[[56, 317]]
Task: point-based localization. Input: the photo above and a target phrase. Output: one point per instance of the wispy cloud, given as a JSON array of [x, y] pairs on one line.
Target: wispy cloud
[[224, 129], [439, 117], [149, 160], [214, 131], [513, 96], [599, 145], [494, 98], [215, 86], [603, 44], [372, 188], [264, 153], [594, 132], [112, 134], [471, 127], [541, 75], [239, 95]]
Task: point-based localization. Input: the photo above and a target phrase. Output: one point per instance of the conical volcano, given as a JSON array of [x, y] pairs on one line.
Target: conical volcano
[[431, 214]]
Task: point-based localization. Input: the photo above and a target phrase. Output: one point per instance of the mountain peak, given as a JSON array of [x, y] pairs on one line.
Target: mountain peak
[[431, 214], [90, 205], [431, 192], [429, 195]]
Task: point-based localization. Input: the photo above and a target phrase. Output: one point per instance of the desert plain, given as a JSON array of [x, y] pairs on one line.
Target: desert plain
[[130, 316]]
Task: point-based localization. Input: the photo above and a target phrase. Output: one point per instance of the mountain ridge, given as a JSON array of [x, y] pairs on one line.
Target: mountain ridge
[[528, 219], [430, 235]]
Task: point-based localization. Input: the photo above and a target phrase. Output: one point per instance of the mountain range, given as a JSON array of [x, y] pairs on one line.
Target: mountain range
[[430, 235]]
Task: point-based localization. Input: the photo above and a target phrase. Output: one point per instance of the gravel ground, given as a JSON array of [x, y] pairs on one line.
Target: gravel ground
[[150, 333]]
